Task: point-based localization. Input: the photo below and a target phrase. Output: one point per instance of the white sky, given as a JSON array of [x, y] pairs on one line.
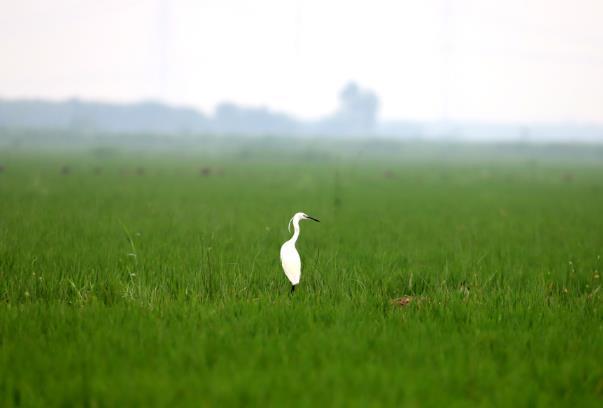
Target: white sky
[[513, 60]]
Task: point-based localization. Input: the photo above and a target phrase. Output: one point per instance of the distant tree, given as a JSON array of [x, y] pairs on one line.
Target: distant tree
[[357, 113]]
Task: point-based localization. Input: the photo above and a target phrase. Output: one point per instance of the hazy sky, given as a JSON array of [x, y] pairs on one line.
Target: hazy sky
[[513, 60]]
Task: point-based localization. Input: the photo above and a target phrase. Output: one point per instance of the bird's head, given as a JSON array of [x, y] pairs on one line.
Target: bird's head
[[299, 217]]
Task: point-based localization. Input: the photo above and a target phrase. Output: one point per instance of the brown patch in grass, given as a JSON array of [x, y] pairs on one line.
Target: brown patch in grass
[[402, 301], [568, 177]]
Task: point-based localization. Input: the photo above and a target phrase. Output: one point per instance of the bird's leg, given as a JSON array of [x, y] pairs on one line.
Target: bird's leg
[[292, 289]]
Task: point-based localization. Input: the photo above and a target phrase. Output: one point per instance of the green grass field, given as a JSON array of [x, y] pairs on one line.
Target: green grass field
[[134, 279]]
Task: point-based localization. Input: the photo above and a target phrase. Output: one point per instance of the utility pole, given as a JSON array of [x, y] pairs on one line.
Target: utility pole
[[163, 40], [446, 57]]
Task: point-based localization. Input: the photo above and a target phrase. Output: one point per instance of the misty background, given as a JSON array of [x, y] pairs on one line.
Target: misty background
[[445, 70]]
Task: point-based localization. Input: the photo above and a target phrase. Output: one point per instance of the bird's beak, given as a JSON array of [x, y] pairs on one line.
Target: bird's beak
[[313, 219]]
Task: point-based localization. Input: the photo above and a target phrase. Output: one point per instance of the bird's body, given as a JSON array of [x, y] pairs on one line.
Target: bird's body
[[291, 262], [289, 256]]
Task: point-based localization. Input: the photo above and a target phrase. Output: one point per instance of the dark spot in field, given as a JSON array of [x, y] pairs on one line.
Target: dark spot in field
[[402, 301], [65, 170], [1, 168], [97, 170], [388, 174], [16, 397], [140, 171], [205, 171], [568, 177]]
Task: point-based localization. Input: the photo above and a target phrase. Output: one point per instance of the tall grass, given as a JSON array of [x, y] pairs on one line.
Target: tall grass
[[147, 280]]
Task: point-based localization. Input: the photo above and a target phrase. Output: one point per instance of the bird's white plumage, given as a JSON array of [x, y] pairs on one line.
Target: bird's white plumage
[[289, 256], [291, 262]]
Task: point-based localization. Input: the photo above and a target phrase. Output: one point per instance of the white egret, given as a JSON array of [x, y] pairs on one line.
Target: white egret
[[289, 255]]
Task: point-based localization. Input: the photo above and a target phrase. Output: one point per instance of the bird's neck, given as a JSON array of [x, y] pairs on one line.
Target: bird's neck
[[295, 232]]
